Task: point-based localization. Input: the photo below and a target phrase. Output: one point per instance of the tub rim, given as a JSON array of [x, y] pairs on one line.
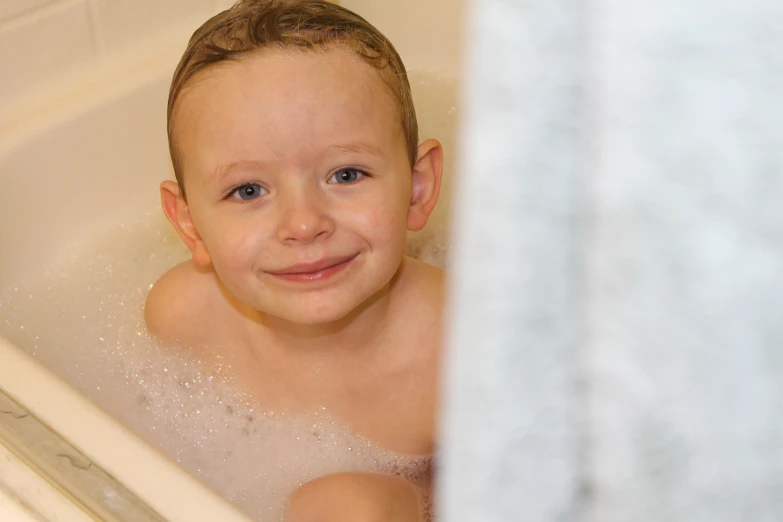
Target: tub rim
[[120, 452]]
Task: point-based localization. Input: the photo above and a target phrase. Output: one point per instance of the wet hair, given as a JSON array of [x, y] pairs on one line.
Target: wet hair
[[251, 25]]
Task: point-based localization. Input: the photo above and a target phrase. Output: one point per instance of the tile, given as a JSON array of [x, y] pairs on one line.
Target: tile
[[120, 22], [12, 8], [35, 49]]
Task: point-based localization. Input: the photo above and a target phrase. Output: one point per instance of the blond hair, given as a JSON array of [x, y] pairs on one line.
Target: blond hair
[[305, 24]]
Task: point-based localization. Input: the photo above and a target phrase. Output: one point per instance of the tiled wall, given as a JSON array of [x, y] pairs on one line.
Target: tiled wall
[[43, 39]]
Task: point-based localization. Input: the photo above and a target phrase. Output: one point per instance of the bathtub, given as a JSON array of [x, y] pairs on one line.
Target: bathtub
[[100, 134], [75, 158]]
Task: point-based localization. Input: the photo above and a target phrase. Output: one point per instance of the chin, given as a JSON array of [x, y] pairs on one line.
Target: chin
[[314, 315], [324, 308]]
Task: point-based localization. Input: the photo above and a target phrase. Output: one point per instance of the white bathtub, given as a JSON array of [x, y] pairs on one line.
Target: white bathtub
[[72, 160]]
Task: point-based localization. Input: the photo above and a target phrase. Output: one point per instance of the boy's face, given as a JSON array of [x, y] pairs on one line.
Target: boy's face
[[298, 181]]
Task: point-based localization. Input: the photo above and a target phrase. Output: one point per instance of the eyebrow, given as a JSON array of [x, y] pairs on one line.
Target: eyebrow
[[224, 170], [360, 148]]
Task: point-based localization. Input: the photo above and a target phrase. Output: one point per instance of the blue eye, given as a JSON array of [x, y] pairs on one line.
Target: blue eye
[[347, 176], [248, 192]]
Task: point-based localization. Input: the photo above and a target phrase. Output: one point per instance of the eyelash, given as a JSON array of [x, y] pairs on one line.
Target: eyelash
[[362, 174], [236, 189]]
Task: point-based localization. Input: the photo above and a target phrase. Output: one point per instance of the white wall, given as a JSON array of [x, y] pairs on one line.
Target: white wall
[[42, 41], [46, 42]]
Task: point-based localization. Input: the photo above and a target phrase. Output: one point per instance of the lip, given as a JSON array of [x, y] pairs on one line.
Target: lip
[[316, 271]]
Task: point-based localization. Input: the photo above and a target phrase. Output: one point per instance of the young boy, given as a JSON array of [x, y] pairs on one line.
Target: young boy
[[294, 143]]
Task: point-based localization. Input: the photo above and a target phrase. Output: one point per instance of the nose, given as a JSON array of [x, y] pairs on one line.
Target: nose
[[304, 218]]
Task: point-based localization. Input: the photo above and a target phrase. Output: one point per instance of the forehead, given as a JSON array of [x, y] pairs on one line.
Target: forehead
[[283, 103]]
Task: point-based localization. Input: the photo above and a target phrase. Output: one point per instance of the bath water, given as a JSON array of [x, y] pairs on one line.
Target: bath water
[[84, 320]]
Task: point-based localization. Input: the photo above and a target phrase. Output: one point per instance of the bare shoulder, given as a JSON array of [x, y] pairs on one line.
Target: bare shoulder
[[181, 304], [425, 286], [423, 304], [417, 340]]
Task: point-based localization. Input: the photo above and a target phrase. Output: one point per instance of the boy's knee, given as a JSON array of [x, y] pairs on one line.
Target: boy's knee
[[355, 497]]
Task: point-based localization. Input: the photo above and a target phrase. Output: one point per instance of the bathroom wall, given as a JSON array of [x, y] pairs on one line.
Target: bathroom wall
[[42, 41]]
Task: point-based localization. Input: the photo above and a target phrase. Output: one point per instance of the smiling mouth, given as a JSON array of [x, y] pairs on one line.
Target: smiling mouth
[[317, 271]]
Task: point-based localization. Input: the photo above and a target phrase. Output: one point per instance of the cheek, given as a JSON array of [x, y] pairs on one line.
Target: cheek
[[394, 211], [381, 220], [235, 245]]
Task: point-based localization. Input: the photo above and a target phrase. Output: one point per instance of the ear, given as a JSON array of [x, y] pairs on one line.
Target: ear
[[425, 187], [178, 213]]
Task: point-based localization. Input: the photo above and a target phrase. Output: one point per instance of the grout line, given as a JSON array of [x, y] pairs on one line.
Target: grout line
[[27, 11], [96, 34]]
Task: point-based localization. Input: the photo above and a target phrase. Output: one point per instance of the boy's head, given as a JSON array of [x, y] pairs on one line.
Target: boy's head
[[292, 129], [255, 25]]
